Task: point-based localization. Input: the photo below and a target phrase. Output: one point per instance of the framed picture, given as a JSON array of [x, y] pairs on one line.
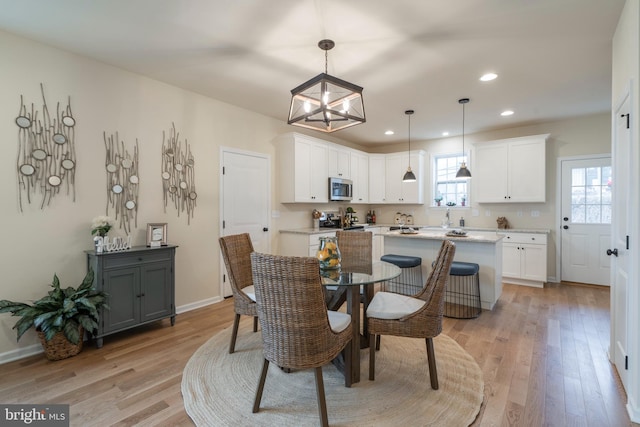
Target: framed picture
[[157, 234]]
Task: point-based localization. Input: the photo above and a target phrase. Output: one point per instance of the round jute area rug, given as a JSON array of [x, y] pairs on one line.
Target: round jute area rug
[[219, 388]]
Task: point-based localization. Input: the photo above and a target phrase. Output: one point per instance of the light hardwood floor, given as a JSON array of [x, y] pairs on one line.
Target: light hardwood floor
[[543, 353]]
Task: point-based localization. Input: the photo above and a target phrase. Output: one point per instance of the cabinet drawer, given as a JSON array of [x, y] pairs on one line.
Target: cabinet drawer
[[125, 259], [531, 238]]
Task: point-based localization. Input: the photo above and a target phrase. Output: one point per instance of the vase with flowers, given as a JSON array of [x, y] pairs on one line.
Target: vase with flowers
[[101, 225]]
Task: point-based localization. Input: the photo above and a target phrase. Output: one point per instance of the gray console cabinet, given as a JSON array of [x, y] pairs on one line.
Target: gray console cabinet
[[140, 284]]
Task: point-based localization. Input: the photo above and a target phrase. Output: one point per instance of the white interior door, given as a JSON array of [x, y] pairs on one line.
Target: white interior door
[[621, 226], [245, 200], [586, 220]]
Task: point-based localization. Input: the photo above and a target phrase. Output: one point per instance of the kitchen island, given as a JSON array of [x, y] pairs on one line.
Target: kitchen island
[[480, 247]]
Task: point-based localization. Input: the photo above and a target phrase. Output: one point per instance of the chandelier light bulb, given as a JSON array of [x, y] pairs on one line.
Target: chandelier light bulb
[[307, 106]]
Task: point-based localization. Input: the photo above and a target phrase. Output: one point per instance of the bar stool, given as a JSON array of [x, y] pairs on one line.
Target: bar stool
[[462, 294], [410, 280]]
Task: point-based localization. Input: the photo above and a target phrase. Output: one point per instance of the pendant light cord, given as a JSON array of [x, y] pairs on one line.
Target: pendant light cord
[[409, 141], [463, 131], [326, 61]]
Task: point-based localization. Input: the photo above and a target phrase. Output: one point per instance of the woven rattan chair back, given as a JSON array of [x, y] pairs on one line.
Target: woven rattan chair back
[[355, 246], [424, 323], [293, 317], [236, 252]]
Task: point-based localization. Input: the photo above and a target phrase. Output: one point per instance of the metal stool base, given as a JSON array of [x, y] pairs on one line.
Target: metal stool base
[[462, 297]]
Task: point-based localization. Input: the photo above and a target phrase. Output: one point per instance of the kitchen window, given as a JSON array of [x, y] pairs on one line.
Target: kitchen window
[[447, 189]]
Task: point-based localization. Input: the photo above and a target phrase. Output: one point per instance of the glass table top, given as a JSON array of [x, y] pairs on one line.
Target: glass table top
[[360, 274]]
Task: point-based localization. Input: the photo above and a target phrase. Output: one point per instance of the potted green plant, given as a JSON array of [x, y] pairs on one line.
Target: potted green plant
[[438, 200], [61, 317]]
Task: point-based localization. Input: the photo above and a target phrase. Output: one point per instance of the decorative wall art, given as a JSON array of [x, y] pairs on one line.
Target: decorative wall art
[[46, 158], [122, 182], [177, 173]]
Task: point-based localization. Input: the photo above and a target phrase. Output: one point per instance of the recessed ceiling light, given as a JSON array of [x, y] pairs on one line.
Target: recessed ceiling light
[[506, 113], [389, 132], [488, 77], [445, 133]]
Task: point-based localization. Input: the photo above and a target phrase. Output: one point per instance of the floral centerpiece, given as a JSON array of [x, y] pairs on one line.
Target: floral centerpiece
[[101, 225]]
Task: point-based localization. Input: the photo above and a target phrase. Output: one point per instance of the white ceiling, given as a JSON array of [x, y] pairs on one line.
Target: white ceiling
[[553, 57]]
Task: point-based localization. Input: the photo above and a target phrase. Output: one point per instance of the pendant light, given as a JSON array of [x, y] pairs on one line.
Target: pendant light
[[326, 103], [463, 172], [409, 176]]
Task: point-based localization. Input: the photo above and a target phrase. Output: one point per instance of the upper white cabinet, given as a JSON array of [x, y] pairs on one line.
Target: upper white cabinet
[[360, 176], [397, 191], [305, 163], [510, 170], [377, 178], [303, 173], [339, 162]]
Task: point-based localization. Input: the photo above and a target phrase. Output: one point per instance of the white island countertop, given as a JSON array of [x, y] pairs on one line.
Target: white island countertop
[[441, 234]]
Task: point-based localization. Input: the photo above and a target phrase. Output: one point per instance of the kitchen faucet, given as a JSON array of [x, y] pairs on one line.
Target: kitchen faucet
[[446, 223]]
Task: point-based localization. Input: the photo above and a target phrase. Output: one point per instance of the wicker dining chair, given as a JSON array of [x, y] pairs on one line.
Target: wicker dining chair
[[355, 250], [418, 316], [236, 250], [297, 330]]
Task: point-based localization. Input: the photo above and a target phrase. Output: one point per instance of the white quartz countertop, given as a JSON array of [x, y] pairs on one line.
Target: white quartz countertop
[[441, 234], [311, 230]]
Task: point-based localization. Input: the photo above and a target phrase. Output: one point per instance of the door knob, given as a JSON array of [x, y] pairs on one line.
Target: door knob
[[612, 252], [565, 219], [265, 229], [566, 227]]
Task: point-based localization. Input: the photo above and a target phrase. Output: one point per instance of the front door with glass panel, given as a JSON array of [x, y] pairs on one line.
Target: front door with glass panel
[[585, 225]]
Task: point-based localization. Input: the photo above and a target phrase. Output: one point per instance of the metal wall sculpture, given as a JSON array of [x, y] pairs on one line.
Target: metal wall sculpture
[[177, 171], [46, 152], [122, 182]]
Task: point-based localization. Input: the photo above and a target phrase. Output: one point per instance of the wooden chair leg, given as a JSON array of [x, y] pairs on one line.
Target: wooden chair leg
[[255, 323], [433, 371], [322, 403], [263, 377], [378, 343], [372, 356], [234, 334]]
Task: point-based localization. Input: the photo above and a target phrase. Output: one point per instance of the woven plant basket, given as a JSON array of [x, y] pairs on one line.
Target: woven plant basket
[[59, 347]]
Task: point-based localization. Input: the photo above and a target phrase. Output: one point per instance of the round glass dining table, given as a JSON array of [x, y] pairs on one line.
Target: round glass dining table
[[348, 279]]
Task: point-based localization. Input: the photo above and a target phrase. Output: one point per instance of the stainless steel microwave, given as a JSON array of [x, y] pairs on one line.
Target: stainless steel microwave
[[340, 189]]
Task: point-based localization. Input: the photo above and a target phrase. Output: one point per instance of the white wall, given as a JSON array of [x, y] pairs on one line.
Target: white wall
[[40, 242]]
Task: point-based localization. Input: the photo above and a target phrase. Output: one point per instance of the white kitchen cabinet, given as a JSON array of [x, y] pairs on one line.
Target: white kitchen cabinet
[[360, 176], [377, 241], [510, 170], [301, 244], [397, 191], [339, 162], [303, 174], [524, 258], [377, 178]]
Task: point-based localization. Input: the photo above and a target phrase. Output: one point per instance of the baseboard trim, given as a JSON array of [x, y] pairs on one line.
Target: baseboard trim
[[197, 304], [21, 353]]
